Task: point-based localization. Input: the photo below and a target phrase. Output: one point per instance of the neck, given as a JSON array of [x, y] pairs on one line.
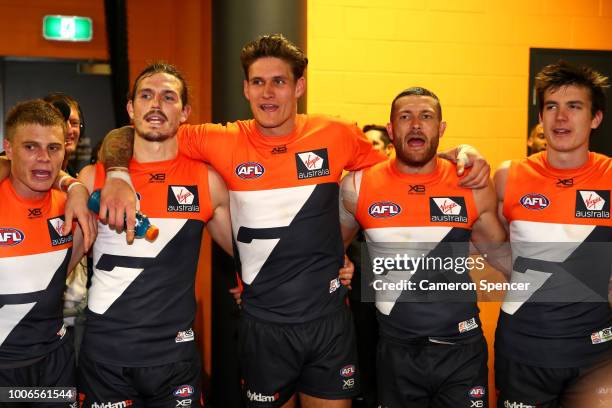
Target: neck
[[567, 160], [406, 168], [146, 151], [22, 191], [282, 130]]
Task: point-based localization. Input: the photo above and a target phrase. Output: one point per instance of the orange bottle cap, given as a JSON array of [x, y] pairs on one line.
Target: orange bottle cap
[[152, 233]]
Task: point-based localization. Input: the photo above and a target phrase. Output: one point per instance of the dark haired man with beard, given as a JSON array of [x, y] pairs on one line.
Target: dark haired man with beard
[[431, 351]]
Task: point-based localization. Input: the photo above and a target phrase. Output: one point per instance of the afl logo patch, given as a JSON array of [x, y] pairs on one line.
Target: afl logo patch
[[183, 391], [384, 209], [534, 201], [10, 236], [347, 371], [250, 170], [477, 392]]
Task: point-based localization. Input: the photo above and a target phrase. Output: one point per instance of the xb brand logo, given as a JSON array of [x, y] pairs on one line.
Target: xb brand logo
[[416, 189], [279, 149], [157, 177], [34, 212], [565, 182], [348, 384]]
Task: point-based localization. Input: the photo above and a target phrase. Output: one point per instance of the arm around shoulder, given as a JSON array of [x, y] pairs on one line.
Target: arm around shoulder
[[348, 207], [220, 225], [500, 179], [490, 233], [487, 228]]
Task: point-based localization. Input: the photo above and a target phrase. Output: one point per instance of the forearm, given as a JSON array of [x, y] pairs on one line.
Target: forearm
[[117, 147]]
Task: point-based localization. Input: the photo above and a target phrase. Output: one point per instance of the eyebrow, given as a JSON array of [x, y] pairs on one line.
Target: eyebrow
[[39, 143], [164, 90], [428, 110], [579, 102], [274, 77]]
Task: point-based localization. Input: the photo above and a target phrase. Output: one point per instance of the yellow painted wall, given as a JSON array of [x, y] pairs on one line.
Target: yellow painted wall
[[474, 54]]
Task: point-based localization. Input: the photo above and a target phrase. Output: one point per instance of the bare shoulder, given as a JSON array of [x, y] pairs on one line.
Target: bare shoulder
[[214, 177], [218, 191], [500, 178]]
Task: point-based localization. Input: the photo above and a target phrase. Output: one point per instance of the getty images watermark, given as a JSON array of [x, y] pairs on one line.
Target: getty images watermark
[[457, 271]]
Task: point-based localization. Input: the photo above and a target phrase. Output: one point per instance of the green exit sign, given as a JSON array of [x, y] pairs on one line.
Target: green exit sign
[[67, 28]]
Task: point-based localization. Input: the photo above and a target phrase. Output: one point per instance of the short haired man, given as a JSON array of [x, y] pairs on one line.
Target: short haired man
[[431, 351], [556, 205], [139, 345], [34, 257], [282, 170]]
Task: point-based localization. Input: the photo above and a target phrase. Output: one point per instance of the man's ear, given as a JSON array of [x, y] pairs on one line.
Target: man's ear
[[8, 149], [300, 87], [442, 128], [390, 131], [185, 112], [597, 118], [130, 109], [245, 89]]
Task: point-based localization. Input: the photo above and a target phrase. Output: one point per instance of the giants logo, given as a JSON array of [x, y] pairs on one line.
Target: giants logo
[[384, 209], [183, 391], [447, 209], [183, 199], [10, 236], [312, 164], [593, 204], [55, 226], [534, 201], [250, 170]]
